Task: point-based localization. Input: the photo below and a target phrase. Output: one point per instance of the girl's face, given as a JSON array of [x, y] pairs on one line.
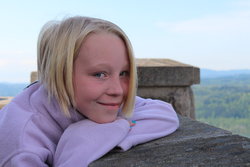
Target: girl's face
[[101, 77]]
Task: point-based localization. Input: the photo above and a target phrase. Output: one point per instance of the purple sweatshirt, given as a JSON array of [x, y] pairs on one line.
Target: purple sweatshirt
[[34, 131]]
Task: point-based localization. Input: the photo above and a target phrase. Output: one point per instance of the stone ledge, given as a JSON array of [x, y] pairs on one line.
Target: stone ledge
[[4, 101], [166, 72], [193, 144]]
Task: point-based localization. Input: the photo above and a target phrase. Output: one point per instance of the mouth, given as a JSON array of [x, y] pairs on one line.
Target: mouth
[[109, 104], [112, 106]]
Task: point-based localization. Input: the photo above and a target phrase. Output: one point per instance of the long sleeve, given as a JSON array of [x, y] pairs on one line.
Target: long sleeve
[[29, 142], [86, 141], [27, 159], [154, 119]]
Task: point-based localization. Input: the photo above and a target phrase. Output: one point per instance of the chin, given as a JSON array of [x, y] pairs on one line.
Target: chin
[[104, 120]]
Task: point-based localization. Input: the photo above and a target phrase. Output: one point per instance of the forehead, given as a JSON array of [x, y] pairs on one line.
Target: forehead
[[103, 47]]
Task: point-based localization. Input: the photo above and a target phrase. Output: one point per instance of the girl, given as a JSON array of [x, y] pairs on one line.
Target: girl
[[84, 103]]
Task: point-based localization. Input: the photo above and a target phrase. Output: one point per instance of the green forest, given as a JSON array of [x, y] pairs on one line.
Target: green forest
[[224, 102]]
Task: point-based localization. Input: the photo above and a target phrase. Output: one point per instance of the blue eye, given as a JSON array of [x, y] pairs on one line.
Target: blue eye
[[100, 75], [124, 73]]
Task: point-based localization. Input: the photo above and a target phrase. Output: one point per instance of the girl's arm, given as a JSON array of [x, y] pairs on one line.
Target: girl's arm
[[86, 141], [154, 119]]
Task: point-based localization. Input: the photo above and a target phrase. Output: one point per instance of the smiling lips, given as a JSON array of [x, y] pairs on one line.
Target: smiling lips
[[112, 106]]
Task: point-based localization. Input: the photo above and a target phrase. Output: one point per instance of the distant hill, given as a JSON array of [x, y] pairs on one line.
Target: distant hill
[[11, 89], [226, 94], [239, 80], [206, 73]]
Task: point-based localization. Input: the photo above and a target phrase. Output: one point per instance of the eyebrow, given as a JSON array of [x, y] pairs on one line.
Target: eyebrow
[[104, 65]]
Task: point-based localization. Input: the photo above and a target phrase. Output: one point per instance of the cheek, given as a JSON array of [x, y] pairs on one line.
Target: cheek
[[83, 99], [78, 96], [83, 91], [80, 92], [86, 91], [125, 87]]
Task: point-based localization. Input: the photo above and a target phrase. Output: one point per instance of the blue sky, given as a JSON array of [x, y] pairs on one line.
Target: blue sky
[[212, 34]]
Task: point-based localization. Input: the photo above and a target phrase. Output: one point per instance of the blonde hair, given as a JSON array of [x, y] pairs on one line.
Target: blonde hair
[[58, 46]]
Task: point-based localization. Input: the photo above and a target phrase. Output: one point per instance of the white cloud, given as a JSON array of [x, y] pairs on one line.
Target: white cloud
[[241, 3], [214, 41], [28, 62], [230, 22], [3, 63]]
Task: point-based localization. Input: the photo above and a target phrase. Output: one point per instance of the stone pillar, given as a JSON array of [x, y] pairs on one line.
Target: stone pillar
[[169, 81]]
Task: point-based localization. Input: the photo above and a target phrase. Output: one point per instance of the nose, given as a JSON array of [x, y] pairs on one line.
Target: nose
[[115, 87]]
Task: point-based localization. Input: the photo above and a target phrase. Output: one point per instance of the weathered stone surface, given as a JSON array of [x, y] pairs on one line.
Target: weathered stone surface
[[181, 98], [193, 144], [165, 72]]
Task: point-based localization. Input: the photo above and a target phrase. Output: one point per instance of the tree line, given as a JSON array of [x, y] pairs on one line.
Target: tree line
[[225, 97]]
